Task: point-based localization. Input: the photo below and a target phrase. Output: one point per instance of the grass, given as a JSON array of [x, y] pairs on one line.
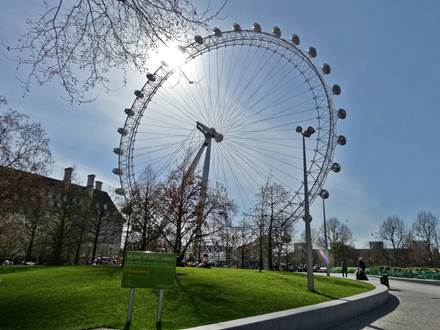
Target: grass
[[84, 297]]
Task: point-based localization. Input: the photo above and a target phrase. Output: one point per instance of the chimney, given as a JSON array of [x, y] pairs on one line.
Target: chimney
[[90, 181], [98, 185], [67, 177]]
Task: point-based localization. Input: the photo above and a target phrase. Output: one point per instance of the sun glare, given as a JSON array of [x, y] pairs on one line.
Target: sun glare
[[171, 54]]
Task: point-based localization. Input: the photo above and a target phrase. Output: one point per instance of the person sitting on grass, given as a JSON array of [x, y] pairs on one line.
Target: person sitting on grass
[[190, 261], [204, 263]]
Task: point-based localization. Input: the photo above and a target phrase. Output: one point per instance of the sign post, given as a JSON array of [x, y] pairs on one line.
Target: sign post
[[159, 307], [148, 270]]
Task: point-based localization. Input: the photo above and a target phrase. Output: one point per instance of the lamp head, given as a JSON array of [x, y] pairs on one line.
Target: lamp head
[[309, 131], [299, 129], [324, 194]]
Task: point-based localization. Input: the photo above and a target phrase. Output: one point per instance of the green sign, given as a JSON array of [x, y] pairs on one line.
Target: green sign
[[148, 270]]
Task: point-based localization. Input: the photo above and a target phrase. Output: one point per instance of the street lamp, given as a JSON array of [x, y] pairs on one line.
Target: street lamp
[[128, 211], [324, 195], [307, 217]]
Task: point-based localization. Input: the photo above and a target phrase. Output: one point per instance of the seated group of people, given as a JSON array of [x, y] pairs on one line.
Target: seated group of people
[[203, 263]]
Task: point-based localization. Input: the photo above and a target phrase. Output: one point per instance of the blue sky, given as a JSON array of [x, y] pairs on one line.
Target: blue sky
[[384, 54]]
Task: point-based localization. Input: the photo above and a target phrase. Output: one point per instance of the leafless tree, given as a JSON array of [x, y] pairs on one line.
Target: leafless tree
[[36, 217], [281, 241], [394, 231], [79, 42], [12, 236], [182, 222], [340, 238], [23, 143], [145, 202], [258, 220], [275, 202], [246, 235], [426, 228]]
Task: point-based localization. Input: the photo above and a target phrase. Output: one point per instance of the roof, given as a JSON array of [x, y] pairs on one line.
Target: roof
[[17, 182]]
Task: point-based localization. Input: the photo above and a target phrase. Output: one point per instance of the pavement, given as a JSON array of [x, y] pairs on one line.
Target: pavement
[[409, 306]]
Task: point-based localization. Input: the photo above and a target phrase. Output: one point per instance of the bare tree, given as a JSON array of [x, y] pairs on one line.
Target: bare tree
[[281, 240], [36, 217], [340, 238], [23, 143], [258, 219], [145, 203], [245, 236], [426, 227], [275, 202], [182, 224], [78, 42], [394, 231], [12, 236]]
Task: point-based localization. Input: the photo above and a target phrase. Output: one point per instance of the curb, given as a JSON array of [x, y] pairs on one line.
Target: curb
[[413, 280], [319, 316]]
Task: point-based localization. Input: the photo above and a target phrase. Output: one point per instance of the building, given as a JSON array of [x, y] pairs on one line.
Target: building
[[57, 220]]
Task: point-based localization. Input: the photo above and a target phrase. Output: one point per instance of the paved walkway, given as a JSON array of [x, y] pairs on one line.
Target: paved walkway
[[410, 306]]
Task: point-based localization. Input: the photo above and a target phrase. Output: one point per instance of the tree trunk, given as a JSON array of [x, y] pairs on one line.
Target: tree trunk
[[78, 246], [261, 249], [95, 240], [144, 235], [31, 243], [59, 242], [242, 257], [269, 243]]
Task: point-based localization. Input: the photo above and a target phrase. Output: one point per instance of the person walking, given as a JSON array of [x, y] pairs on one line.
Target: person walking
[[344, 269], [361, 270]]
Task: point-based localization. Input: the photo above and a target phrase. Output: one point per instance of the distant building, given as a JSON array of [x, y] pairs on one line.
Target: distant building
[[376, 245], [44, 206]]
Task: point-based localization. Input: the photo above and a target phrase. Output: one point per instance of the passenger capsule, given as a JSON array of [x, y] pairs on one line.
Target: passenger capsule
[[117, 171], [151, 77], [342, 140], [336, 89], [295, 39], [236, 27], [217, 32], [256, 27], [129, 112], [198, 39], [118, 151], [138, 94], [276, 31], [336, 167], [342, 114], [122, 131], [312, 52], [119, 191], [326, 68]]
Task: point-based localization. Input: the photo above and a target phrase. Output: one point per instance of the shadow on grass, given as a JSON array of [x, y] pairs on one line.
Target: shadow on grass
[[15, 314], [328, 296]]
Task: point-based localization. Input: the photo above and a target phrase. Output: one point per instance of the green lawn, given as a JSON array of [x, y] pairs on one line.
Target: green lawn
[[83, 297]]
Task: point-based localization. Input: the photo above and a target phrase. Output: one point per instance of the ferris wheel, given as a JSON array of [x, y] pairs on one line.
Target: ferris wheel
[[230, 102]]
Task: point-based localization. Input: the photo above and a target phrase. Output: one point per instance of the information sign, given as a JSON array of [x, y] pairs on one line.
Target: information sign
[[148, 270]]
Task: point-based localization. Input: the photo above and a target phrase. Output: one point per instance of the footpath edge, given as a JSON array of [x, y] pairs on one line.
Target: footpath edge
[[320, 316]]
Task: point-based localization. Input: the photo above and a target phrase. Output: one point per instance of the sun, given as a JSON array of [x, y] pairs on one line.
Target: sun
[[171, 55]]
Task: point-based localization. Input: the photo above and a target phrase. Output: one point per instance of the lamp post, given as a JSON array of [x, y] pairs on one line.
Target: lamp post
[[307, 217], [127, 210], [324, 194]]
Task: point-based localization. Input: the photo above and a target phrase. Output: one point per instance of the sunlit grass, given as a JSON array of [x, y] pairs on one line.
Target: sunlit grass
[[82, 297]]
